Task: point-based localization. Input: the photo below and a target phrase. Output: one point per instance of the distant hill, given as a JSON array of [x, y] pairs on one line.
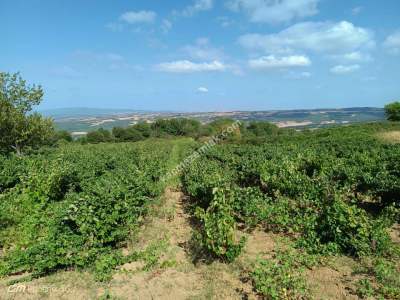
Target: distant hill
[[87, 119], [74, 112]]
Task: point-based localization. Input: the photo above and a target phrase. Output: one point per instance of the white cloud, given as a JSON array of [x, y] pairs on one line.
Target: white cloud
[[134, 17], [198, 6], [357, 56], [328, 37], [225, 21], [369, 78], [340, 69], [65, 71], [305, 74], [272, 62], [186, 66], [353, 57], [392, 43], [166, 26], [202, 89], [203, 50], [114, 26], [275, 11], [301, 75], [113, 57], [356, 10]]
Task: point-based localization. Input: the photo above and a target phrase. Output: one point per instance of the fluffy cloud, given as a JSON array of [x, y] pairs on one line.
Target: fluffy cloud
[[115, 26], [202, 89], [356, 10], [225, 21], [198, 6], [357, 56], [392, 43], [134, 17], [186, 66], [203, 50], [275, 11], [166, 26], [66, 72], [340, 69], [272, 62], [301, 75], [328, 37], [352, 57]]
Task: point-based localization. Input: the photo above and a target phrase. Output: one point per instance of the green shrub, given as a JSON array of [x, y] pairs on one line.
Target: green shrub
[[76, 206], [346, 228], [218, 232], [392, 111], [281, 277], [365, 289]]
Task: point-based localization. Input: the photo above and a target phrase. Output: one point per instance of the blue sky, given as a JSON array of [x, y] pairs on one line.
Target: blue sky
[[205, 55]]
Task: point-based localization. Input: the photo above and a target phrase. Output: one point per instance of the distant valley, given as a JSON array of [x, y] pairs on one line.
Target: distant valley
[[79, 121]]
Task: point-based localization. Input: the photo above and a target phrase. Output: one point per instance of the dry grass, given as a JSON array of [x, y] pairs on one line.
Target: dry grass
[[390, 136]]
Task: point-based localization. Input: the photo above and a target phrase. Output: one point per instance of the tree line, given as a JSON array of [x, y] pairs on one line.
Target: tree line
[[180, 127]]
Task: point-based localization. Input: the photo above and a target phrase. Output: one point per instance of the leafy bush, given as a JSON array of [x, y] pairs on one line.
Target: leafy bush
[[11, 170], [218, 232], [281, 277], [129, 134], [392, 111], [346, 228], [383, 279], [364, 289], [75, 207], [99, 136]]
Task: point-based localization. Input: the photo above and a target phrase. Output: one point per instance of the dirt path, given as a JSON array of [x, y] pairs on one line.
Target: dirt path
[[180, 278]]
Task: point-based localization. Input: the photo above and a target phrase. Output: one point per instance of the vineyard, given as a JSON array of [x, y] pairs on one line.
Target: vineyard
[[323, 197]]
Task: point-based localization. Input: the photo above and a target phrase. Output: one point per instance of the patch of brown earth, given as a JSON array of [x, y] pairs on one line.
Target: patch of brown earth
[[333, 282], [225, 282], [394, 233], [159, 284], [390, 136], [259, 244], [175, 278], [183, 279]]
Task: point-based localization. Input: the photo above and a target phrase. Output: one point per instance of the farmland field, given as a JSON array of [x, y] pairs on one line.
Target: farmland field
[[299, 215]]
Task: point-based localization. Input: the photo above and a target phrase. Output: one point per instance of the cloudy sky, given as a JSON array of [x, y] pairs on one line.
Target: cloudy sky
[[198, 55]]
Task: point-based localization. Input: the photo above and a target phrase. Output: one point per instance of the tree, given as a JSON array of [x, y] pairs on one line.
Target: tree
[[99, 136], [19, 128], [119, 134], [63, 135], [260, 128], [144, 128], [14, 90], [133, 135], [129, 134], [175, 127], [392, 111]]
